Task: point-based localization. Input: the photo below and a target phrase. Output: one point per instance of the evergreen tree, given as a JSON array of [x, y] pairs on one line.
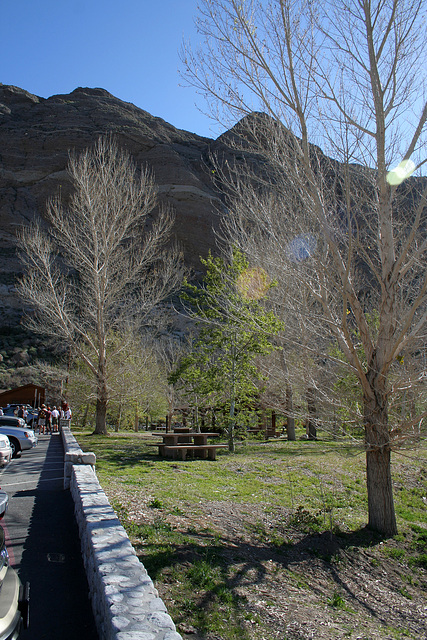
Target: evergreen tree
[[234, 329]]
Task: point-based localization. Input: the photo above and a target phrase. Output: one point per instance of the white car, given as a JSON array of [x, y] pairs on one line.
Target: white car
[[14, 596], [20, 437], [5, 451]]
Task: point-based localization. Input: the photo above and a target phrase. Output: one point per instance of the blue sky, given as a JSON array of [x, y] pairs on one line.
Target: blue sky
[[128, 47]]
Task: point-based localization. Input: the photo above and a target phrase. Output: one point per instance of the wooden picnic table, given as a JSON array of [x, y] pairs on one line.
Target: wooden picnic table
[[177, 444]]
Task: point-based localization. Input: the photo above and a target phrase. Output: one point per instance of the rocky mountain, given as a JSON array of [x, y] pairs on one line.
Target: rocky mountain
[[36, 136]]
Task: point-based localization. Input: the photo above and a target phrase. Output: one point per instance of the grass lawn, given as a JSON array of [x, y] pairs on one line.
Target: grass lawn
[[270, 541]]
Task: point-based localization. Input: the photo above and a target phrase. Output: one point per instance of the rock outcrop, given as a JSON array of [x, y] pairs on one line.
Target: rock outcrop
[[36, 137]]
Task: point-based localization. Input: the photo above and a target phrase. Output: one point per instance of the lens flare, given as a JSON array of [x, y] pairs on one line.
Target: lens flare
[[403, 170], [301, 247], [253, 283]]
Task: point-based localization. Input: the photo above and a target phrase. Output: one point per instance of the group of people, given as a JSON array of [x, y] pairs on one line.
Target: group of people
[[48, 419]]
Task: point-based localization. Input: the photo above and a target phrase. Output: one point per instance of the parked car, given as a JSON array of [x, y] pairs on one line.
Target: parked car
[[4, 503], [14, 597], [20, 436], [5, 450], [12, 410]]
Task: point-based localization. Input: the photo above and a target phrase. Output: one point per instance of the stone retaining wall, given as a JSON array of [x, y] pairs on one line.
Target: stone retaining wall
[[125, 602]]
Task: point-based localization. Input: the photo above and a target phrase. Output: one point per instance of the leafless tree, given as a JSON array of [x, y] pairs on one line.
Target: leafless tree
[[100, 264], [348, 227]]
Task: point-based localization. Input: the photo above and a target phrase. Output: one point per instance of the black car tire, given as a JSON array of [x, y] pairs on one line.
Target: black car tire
[[15, 446]]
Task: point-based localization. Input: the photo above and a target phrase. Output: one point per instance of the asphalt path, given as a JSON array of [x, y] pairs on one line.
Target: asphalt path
[[43, 543]]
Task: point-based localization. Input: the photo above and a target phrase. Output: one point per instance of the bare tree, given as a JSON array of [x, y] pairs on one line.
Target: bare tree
[[135, 381], [349, 75], [100, 265]]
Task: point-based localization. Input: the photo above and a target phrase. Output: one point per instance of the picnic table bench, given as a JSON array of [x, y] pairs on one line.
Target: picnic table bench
[[202, 451], [177, 444]]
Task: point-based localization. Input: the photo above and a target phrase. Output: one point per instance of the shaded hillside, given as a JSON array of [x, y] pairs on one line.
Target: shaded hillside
[[36, 135]]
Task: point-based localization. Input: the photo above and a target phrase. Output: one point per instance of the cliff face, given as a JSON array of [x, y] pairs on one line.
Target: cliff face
[[36, 136]]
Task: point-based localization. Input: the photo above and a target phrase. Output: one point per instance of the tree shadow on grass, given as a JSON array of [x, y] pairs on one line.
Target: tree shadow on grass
[[238, 565]]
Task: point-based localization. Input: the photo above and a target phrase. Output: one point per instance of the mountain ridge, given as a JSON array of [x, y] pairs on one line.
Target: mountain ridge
[[36, 137]]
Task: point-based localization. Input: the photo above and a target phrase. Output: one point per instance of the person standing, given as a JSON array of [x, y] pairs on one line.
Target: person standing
[[55, 420], [48, 420], [65, 411], [41, 419]]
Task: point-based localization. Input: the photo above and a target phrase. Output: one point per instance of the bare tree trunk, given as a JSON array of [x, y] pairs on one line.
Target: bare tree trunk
[[231, 427], [289, 400], [196, 425], [290, 420], [84, 420], [312, 414], [171, 406], [273, 424], [378, 467], [102, 399], [119, 418], [101, 416]]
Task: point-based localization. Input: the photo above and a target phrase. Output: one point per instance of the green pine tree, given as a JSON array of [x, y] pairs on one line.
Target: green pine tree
[[234, 328]]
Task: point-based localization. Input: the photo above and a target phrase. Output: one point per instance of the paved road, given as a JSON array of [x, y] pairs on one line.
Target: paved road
[[44, 546]]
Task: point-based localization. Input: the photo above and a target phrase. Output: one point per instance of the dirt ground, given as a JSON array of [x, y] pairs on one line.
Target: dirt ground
[[296, 584]]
